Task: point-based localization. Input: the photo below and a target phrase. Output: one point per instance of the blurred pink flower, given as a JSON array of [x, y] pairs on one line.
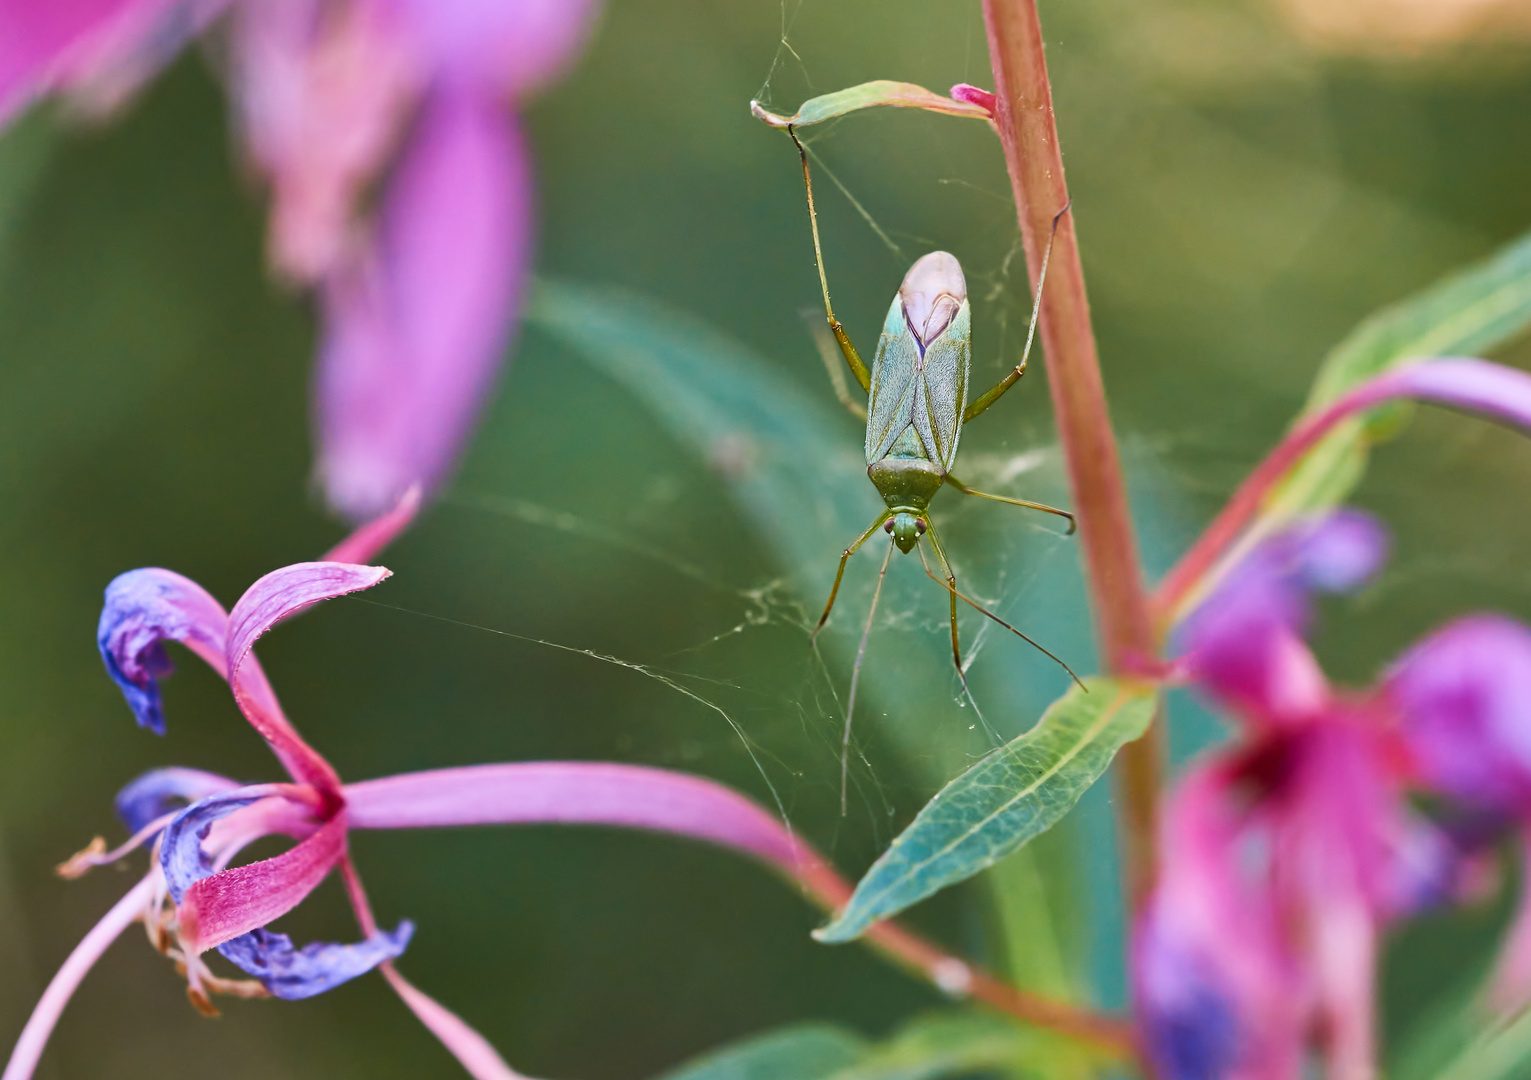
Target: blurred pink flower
[[414, 99]]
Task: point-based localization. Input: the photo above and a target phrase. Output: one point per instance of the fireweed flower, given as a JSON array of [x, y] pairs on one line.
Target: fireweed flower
[[193, 900], [1289, 851], [414, 98]]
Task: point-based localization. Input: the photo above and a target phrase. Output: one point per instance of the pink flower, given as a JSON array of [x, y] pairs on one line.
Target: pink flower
[[415, 98], [194, 900]]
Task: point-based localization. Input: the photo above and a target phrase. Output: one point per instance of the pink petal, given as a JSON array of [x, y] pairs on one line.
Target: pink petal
[[370, 539], [481, 1060], [514, 46], [415, 333], [233, 902], [323, 92], [274, 597], [34, 1036], [577, 792]]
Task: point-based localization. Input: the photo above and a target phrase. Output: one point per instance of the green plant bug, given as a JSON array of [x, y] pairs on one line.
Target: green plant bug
[[917, 404]]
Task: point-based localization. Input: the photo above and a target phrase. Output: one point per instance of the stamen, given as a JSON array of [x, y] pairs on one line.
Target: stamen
[[95, 854]]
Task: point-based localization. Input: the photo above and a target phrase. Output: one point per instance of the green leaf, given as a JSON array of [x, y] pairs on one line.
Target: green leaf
[[1018, 791], [879, 92], [800, 1052], [1470, 312], [1501, 1053], [929, 1047]]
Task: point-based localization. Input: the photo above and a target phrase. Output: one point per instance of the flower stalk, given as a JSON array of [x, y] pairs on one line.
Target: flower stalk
[[1028, 131]]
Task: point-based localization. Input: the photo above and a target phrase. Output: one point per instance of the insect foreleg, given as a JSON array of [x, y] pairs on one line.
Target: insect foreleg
[[983, 401], [840, 573], [960, 486], [852, 357]]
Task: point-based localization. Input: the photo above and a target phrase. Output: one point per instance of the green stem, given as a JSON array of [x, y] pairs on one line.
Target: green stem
[[1028, 131]]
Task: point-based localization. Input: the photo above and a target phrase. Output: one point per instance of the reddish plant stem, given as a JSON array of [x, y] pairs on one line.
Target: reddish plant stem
[[1109, 1034], [1027, 129]]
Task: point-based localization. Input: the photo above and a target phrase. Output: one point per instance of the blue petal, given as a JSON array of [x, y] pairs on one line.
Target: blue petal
[[294, 974], [144, 609], [180, 852], [156, 793]]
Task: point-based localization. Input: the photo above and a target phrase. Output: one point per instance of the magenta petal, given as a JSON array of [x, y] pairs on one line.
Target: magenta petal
[[144, 609], [512, 48], [576, 792], [273, 598], [414, 336], [220, 907], [1465, 697], [472, 1050], [40, 37]]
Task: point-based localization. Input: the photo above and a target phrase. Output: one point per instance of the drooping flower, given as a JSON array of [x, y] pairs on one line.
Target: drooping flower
[[417, 99], [1287, 852]]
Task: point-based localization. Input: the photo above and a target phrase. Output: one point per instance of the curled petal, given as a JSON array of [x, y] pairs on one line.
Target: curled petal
[[144, 609], [1244, 642], [481, 1060], [157, 793], [576, 792], [294, 974], [414, 335], [1465, 695], [277, 596]]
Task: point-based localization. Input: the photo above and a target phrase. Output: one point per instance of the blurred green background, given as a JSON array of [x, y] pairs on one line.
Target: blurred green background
[[1242, 202]]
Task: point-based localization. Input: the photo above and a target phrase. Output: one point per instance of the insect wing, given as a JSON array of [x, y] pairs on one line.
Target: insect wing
[[894, 378], [942, 390]]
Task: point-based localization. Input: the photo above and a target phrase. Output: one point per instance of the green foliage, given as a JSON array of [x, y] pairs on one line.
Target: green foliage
[[929, 1047], [1500, 1052], [999, 804]]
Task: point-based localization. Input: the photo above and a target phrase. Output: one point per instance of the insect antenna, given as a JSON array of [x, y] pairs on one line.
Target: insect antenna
[[976, 606], [850, 703]]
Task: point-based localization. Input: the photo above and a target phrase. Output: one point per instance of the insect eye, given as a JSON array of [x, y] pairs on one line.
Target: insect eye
[[888, 527], [919, 526]]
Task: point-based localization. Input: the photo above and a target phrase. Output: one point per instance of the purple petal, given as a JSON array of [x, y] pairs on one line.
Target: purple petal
[[512, 48], [144, 609], [1465, 697], [1186, 1014], [1245, 641], [414, 336], [38, 36], [156, 793], [575, 792], [294, 974]]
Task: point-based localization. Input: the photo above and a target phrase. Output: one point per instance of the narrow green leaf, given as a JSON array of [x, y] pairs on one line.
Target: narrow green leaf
[[1016, 792], [801, 1052], [929, 1047], [946, 1044], [1501, 1053], [1470, 312], [879, 92]]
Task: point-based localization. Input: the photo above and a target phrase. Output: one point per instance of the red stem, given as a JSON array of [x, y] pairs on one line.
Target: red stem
[[1027, 129]]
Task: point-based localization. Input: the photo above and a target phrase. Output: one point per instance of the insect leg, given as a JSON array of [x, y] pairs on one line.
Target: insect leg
[[850, 702], [852, 357], [840, 573], [831, 357], [951, 587], [981, 403], [960, 486], [976, 606]]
